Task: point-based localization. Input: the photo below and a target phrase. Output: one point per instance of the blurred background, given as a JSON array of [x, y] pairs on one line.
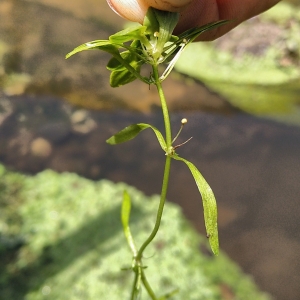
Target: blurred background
[[240, 94]]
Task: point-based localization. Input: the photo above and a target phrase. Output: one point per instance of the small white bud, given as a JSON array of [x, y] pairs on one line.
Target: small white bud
[[184, 121]]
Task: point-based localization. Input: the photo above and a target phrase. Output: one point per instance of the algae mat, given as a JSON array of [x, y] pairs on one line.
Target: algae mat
[[66, 242]]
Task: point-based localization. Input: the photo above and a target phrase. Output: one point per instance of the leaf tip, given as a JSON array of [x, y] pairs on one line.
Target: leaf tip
[[214, 245], [216, 252], [110, 141]]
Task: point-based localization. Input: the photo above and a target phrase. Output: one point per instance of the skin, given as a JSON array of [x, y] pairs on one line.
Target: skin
[[200, 12]]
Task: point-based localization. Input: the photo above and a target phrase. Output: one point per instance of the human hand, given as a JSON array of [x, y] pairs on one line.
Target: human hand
[[194, 13]]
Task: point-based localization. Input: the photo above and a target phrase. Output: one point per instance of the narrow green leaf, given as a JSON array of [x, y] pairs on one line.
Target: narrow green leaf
[[128, 34], [167, 22], [115, 65], [191, 34], [103, 45], [209, 205], [150, 21], [122, 77], [130, 132], [125, 214], [130, 57], [187, 37]]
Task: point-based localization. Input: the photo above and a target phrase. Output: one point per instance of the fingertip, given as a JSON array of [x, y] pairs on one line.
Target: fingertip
[[132, 10], [197, 14], [169, 5]]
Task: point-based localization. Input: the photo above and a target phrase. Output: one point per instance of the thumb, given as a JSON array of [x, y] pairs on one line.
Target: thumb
[[135, 10], [132, 10]]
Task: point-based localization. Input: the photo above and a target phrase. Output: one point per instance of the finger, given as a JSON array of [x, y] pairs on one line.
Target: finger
[[133, 10], [201, 12], [169, 5]]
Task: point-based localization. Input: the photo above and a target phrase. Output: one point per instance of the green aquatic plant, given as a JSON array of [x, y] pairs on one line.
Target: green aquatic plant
[[153, 43]]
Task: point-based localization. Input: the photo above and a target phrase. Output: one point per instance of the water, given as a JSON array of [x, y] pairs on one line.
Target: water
[[251, 163]]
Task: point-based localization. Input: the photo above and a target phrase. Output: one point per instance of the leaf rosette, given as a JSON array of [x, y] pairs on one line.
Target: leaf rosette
[[151, 43]]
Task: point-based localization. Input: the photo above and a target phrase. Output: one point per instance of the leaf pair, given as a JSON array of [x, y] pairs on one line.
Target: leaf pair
[[207, 195]]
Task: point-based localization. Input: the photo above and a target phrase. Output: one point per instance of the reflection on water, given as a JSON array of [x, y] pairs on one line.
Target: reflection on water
[[252, 164], [255, 66]]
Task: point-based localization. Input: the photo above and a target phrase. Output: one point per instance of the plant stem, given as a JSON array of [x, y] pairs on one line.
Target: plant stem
[[147, 286], [164, 184], [164, 106], [167, 163], [134, 290], [160, 208]]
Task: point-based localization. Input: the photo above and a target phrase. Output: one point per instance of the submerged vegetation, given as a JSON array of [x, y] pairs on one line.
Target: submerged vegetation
[[54, 245]]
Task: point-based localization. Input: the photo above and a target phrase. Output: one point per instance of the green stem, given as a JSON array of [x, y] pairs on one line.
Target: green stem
[[165, 180], [167, 164], [164, 106], [147, 286], [160, 208], [134, 290]]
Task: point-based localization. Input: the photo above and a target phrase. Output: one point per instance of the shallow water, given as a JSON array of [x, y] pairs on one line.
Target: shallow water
[[251, 163]]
